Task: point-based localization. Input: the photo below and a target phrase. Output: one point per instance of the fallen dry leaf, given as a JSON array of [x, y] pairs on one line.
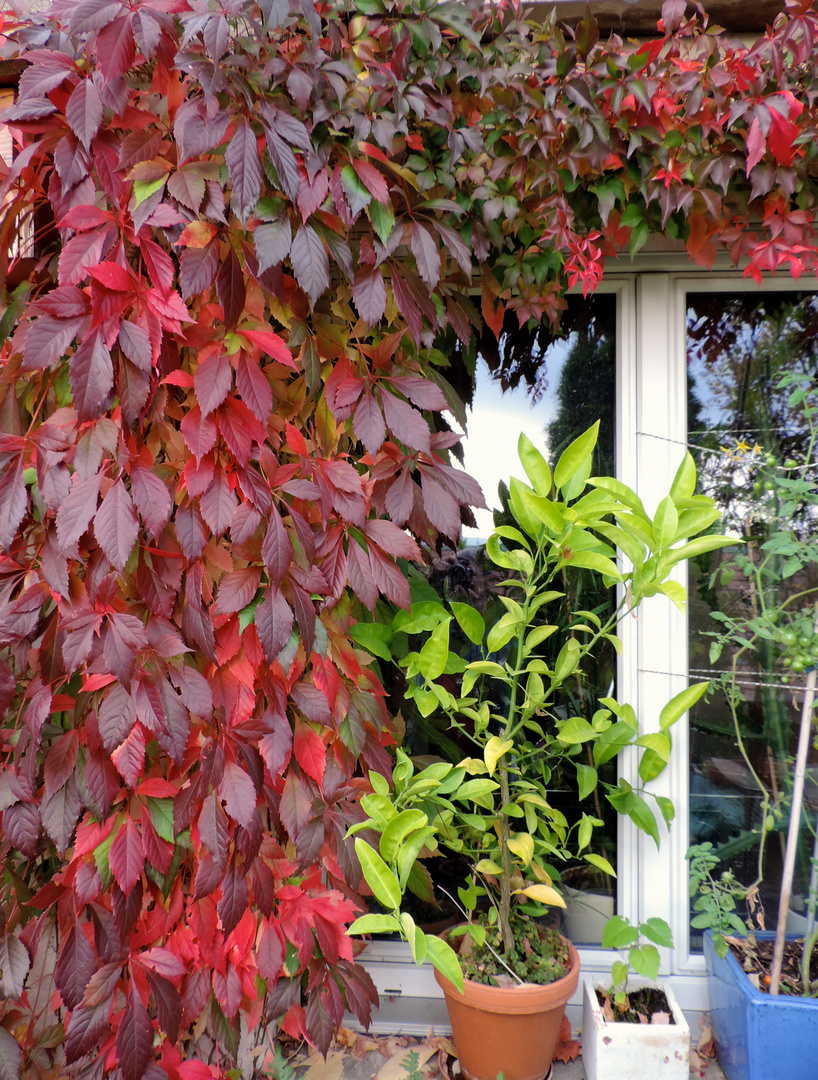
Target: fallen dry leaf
[[346, 1038], [567, 1049], [319, 1069], [661, 1018], [395, 1068]]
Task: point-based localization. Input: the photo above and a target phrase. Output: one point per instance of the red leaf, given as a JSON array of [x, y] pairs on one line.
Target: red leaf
[[426, 255], [212, 382], [239, 429], [115, 525], [214, 829], [406, 423], [152, 498], [124, 639], [369, 294], [112, 276], [209, 876], [115, 47], [77, 509], [270, 951], [199, 431], [236, 590], [274, 623], [163, 962], [756, 146], [127, 856], [311, 193], [231, 289], [48, 339], [389, 578], [310, 263], [60, 813], [277, 548], [255, 390], [60, 761], [441, 509], [75, 967], [421, 392], [218, 505], [21, 826], [91, 377], [13, 501], [239, 793], [84, 111], [79, 253], [85, 1027], [190, 531], [310, 752], [135, 343], [116, 717], [372, 180], [197, 269], [244, 164], [79, 218], [129, 758], [388, 536], [273, 345], [276, 746], [368, 424], [235, 898], [134, 1039], [296, 805], [272, 242], [361, 575], [781, 138]]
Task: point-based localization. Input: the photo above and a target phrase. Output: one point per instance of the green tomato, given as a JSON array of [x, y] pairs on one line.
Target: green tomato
[[790, 463], [798, 664], [788, 638]]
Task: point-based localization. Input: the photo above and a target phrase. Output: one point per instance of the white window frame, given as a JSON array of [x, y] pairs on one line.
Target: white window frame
[[651, 437]]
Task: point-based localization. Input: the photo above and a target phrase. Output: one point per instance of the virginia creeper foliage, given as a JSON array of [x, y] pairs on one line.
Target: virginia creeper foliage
[[245, 250]]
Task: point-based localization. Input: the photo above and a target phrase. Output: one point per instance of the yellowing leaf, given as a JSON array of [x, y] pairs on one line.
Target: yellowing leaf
[[495, 748], [543, 894]]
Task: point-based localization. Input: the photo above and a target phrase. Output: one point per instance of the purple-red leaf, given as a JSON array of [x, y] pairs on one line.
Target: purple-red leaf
[[368, 424], [231, 289], [406, 423], [214, 829], [134, 1039], [244, 163], [84, 111], [255, 390], [277, 549], [272, 241], [212, 382], [168, 1005], [77, 509], [91, 377], [236, 590], [426, 255], [198, 268], [60, 814], [115, 525], [238, 792], [274, 623], [127, 856], [218, 505], [310, 262], [75, 967], [152, 498], [369, 294], [13, 501], [235, 898]]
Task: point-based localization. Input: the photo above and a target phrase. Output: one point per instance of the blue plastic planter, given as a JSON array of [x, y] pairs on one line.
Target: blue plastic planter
[[759, 1037]]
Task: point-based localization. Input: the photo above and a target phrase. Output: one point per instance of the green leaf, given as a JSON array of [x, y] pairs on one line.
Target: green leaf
[[576, 730], [586, 780], [522, 845], [434, 654], [415, 936], [383, 883], [658, 931], [444, 958], [666, 807], [618, 933], [517, 492], [665, 522], [575, 456], [684, 482], [375, 924], [374, 637], [470, 621], [591, 560], [675, 592], [600, 862], [627, 496], [644, 959], [535, 465], [641, 815], [161, 815], [408, 821], [680, 704], [382, 218]]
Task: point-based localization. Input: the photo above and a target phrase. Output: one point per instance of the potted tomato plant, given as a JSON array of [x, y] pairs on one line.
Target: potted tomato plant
[[494, 807]]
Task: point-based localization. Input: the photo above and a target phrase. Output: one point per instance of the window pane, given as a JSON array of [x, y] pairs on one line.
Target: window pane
[[748, 433], [555, 391]]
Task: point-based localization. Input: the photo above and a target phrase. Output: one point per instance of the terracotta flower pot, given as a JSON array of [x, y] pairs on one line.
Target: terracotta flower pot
[[509, 1030]]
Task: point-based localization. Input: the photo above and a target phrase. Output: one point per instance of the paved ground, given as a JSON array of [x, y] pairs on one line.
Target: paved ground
[[388, 1059]]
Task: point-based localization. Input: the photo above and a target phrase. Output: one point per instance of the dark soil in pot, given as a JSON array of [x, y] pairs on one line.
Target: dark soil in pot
[[756, 957], [540, 956], [648, 1005]]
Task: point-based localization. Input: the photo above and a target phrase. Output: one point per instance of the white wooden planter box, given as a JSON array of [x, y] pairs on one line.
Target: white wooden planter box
[[633, 1051]]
